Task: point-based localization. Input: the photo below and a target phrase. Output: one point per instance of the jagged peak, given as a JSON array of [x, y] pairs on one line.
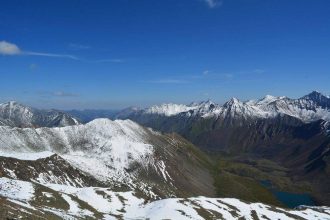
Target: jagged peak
[[209, 101], [14, 104], [315, 95], [20, 115], [268, 99], [268, 106], [169, 109], [206, 103], [133, 108], [233, 101], [11, 103]]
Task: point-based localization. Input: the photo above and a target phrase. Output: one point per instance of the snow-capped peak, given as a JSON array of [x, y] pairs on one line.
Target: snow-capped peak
[[169, 109], [16, 114], [316, 96], [268, 99], [311, 107], [102, 148], [12, 104], [233, 102]]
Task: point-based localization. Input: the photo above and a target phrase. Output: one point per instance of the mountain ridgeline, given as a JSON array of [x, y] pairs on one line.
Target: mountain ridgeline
[[294, 133], [173, 155], [17, 115]]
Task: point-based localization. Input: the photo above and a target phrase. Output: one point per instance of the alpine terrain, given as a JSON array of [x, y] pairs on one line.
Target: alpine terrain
[[282, 140], [15, 114], [116, 170]]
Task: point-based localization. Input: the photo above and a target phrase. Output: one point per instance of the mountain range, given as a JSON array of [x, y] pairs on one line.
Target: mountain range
[[17, 115], [171, 161], [308, 108], [293, 133]]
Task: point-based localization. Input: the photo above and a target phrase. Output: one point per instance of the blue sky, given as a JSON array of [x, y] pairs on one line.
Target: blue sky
[[118, 53]]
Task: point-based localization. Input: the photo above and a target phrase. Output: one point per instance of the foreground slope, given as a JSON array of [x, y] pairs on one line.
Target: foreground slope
[[20, 199], [119, 153]]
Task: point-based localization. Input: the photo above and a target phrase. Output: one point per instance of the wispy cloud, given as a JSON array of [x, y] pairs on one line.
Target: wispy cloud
[[259, 71], [59, 94], [108, 61], [64, 94], [166, 81], [74, 46], [211, 75], [10, 49], [214, 3], [30, 53], [206, 72]]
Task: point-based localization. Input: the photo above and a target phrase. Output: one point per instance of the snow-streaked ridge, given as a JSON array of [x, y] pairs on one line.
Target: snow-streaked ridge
[[18, 115], [169, 109], [311, 107], [127, 205], [102, 148], [27, 155]]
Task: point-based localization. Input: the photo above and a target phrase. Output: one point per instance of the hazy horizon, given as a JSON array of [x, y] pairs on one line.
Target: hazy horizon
[[145, 106]]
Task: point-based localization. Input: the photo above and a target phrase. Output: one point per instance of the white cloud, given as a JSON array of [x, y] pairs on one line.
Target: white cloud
[[7, 48], [213, 3]]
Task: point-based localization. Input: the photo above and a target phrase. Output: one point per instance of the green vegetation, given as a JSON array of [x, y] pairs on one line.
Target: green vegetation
[[248, 189], [242, 179]]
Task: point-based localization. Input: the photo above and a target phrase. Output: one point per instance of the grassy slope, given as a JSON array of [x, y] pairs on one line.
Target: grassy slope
[[236, 179], [242, 179]]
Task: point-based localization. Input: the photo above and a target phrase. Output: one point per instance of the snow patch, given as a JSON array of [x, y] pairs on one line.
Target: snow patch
[[27, 155], [16, 189]]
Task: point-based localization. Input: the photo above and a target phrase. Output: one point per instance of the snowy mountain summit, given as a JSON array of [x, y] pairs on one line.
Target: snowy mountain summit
[[18, 115], [115, 153], [311, 107]]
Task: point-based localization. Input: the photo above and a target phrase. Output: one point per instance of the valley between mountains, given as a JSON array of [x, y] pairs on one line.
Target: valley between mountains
[[263, 159]]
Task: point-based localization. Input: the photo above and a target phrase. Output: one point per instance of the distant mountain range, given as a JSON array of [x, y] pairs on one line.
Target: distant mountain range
[[17, 115], [294, 133], [311, 107], [308, 108]]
